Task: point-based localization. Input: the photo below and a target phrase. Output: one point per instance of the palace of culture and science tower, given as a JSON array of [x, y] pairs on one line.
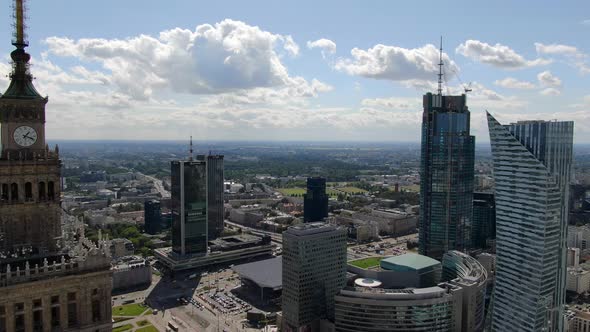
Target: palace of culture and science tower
[[51, 277]]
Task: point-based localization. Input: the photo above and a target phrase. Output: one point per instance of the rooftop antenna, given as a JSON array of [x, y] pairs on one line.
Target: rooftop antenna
[[440, 69], [190, 151], [19, 15]]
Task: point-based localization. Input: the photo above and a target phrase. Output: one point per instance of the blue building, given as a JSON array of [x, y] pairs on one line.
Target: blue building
[[484, 220], [446, 175], [532, 172], [152, 217]]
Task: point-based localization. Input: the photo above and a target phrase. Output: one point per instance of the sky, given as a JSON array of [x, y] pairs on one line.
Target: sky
[[300, 70]]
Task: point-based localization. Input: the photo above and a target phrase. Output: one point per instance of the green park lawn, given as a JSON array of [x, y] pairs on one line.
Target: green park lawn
[[134, 309], [298, 192], [149, 328], [366, 262], [352, 190]]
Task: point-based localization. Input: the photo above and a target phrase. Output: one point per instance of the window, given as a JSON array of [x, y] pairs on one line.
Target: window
[[14, 192], [55, 299], [38, 321], [28, 192], [96, 317], [41, 190], [4, 194], [50, 190], [72, 314], [2, 319], [55, 316]]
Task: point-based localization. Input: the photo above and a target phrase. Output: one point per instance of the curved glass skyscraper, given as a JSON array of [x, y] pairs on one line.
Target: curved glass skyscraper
[[532, 172]]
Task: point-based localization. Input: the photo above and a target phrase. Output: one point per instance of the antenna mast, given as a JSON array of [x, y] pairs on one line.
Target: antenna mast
[[19, 15], [190, 151], [440, 68]]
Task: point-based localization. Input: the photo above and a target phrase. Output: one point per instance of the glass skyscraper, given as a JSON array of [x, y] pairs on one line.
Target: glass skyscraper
[[215, 191], [446, 175], [315, 201], [484, 220], [532, 172], [189, 207]]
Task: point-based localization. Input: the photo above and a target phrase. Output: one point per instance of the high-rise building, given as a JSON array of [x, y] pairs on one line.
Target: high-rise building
[[214, 194], [446, 175], [189, 207], [152, 217], [314, 271], [50, 278], [483, 226], [315, 201], [532, 171]]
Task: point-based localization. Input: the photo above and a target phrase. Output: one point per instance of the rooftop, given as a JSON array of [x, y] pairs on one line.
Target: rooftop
[[267, 273], [408, 261]]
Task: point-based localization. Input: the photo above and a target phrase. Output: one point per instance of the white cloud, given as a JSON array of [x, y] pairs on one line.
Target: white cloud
[[585, 22], [550, 92], [513, 83], [227, 56], [410, 66], [557, 49], [571, 55], [394, 103], [547, 79], [325, 45], [498, 55]]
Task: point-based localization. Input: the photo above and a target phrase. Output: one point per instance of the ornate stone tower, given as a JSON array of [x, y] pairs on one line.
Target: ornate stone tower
[[29, 172], [50, 280]]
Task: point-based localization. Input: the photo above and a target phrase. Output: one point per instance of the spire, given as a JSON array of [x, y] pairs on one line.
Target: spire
[[440, 68], [190, 151], [21, 81]]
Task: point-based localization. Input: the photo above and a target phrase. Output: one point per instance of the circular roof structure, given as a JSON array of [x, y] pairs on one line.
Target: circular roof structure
[[367, 282]]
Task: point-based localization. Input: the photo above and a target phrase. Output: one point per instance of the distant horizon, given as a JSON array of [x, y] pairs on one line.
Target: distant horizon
[[232, 70]]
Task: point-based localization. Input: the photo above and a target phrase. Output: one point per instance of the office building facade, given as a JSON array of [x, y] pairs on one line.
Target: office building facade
[[189, 207], [152, 217], [532, 171], [454, 305], [484, 220], [314, 271], [315, 200], [215, 189], [446, 175]]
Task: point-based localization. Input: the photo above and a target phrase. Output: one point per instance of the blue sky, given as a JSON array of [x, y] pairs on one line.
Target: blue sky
[[143, 70]]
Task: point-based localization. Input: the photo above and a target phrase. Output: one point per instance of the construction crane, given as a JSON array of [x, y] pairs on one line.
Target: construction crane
[[466, 87]]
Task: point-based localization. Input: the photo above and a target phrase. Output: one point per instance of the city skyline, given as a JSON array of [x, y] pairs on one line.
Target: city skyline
[[328, 80]]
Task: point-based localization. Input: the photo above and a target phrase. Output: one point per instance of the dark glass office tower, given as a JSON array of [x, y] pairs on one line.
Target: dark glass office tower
[[446, 175], [214, 193], [152, 217], [484, 220], [315, 201], [189, 207]]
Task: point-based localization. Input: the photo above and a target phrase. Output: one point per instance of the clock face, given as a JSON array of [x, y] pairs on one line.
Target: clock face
[[25, 136]]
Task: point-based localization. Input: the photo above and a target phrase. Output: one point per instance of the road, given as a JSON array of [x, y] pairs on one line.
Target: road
[[277, 238], [159, 186]]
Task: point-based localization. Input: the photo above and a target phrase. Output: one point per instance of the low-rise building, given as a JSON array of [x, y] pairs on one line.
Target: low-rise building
[[121, 247], [131, 272], [578, 280]]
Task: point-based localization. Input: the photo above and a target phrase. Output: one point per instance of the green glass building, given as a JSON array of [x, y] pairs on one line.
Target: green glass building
[[446, 175], [189, 207]]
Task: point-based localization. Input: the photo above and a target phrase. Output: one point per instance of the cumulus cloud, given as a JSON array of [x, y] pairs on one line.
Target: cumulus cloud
[[547, 79], [325, 45], [413, 67], [557, 49], [570, 54], [227, 56], [513, 83], [497, 55], [550, 92]]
